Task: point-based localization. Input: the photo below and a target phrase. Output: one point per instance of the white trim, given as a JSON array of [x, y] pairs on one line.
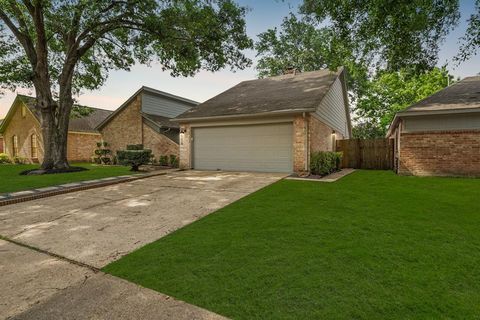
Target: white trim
[[246, 116]]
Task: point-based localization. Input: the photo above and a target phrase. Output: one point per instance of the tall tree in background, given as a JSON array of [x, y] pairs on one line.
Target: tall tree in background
[[376, 41], [392, 91], [392, 35], [61, 47], [471, 40]]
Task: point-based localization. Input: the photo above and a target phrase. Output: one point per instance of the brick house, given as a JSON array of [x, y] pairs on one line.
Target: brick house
[[22, 136], [440, 135], [270, 124], [1, 138], [145, 119]]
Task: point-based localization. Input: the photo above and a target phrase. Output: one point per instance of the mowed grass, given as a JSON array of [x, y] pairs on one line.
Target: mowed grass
[[11, 180], [370, 246]]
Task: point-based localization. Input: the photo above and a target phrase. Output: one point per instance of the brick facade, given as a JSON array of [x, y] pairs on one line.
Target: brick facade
[[159, 143], [1, 145], [23, 125], [321, 136], [128, 127], [185, 146], [81, 146], [300, 144], [125, 128], [446, 153]]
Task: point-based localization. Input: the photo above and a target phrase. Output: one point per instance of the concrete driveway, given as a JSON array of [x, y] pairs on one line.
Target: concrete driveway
[[97, 226]]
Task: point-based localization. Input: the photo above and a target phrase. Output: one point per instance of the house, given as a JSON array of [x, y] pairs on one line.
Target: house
[[145, 119], [22, 135], [440, 135], [271, 124]]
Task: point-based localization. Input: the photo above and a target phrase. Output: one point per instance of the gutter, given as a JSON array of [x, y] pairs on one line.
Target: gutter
[[249, 115]]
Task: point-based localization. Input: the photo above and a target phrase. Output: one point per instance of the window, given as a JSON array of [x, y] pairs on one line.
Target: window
[[24, 111], [34, 145], [15, 146]]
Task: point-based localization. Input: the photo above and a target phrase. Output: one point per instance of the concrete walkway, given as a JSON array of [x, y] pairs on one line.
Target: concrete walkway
[[81, 232]]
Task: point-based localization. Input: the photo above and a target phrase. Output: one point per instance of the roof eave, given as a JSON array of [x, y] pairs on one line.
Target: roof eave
[[247, 115]]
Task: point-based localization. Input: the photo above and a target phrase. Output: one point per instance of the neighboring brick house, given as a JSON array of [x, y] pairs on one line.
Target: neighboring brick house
[[440, 135], [270, 124], [145, 119], [22, 134]]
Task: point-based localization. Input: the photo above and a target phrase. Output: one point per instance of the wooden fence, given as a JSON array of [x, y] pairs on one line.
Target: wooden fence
[[366, 154]]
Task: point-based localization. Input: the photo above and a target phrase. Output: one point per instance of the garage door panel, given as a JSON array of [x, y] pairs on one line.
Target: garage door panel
[[248, 148]]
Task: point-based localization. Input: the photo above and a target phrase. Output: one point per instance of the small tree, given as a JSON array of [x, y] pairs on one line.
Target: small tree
[[103, 153], [134, 156]]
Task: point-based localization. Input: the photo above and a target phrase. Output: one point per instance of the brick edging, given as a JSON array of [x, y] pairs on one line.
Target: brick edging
[[47, 194]]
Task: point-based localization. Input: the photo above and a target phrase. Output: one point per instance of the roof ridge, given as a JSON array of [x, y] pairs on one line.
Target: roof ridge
[[75, 104]]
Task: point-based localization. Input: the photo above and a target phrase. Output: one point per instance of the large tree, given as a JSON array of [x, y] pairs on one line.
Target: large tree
[[392, 35], [471, 40], [61, 47], [392, 91]]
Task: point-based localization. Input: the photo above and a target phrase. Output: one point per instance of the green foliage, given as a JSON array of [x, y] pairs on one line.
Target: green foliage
[[367, 130], [19, 160], [103, 154], [390, 35], [471, 39], [4, 158], [303, 46], [163, 160], [324, 162], [134, 156], [173, 161], [390, 92], [134, 146], [182, 36]]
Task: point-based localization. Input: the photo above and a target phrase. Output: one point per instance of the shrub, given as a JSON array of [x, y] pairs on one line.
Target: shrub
[[19, 160], [4, 158], [163, 160], [134, 157], [102, 153], [173, 161], [324, 162], [135, 147]]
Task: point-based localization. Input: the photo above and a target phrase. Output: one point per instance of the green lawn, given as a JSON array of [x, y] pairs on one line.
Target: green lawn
[[11, 180], [370, 246]]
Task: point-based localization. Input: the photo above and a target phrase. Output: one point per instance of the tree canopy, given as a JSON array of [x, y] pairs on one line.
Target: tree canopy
[[61, 47], [471, 40]]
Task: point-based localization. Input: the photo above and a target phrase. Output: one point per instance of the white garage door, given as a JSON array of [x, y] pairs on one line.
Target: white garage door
[[266, 147]]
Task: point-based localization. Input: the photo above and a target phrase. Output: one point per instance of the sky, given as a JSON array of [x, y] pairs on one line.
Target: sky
[[263, 14]]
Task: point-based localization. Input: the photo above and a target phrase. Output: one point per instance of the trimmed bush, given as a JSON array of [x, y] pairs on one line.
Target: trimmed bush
[[324, 162], [134, 157], [163, 160], [19, 160], [4, 158], [173, 161], [135, 147]]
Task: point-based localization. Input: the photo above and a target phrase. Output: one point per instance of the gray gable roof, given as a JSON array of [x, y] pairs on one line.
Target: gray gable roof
[[286, 93], [160, 121], [82, 124], [464, 94]]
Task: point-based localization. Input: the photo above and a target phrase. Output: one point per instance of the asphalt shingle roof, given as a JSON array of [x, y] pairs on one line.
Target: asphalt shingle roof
[[161, 121], [83, 124], [282, 93], [464, 94]]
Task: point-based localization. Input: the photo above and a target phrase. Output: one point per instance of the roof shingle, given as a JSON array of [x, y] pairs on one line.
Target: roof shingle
[[290, 92]]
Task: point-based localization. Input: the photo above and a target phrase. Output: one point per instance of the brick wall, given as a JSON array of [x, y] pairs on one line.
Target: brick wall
[[81, 146], [185, 146], [320, 136], [125, 128], [1, 145], [448, 153], [300, 146], [23, 127], [158, 143]]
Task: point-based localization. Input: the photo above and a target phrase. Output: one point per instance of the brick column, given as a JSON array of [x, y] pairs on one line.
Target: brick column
[[185, 146], [299, 144]]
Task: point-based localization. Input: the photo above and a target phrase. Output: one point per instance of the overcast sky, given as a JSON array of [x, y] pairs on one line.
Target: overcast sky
[[264, 14]]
